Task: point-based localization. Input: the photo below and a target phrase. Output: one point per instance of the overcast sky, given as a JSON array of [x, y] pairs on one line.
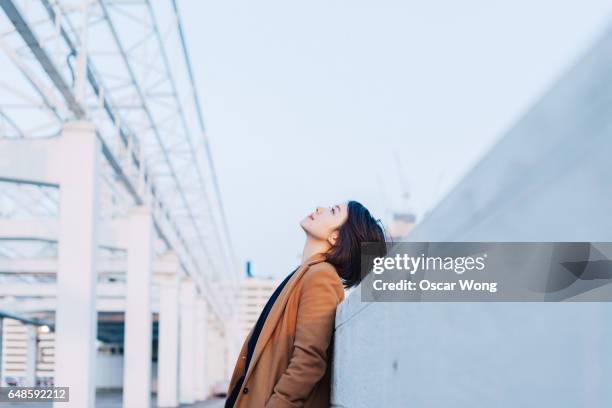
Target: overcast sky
[[307, 103]]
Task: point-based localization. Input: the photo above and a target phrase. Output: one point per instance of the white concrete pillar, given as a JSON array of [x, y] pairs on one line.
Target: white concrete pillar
[[217, 356], [232, 341], [201, 359], [187, 342], [138, 326], [30, 356], [227, 352], [213, 353], [168, 342], [1, 351], [75, 316]]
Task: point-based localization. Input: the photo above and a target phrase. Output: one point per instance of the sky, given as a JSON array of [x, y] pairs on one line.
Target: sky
[[314, 103]]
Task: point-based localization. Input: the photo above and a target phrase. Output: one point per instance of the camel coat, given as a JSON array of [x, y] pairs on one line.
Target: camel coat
[[290, 364]]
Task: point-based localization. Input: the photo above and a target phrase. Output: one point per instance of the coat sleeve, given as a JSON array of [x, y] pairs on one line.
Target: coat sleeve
[[321, 293]]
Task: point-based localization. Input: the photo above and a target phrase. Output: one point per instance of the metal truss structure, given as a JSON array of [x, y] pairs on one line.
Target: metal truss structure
[[124, 65]]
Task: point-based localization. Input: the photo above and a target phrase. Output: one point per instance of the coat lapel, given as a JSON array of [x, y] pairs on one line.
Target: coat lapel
[[277, 311]]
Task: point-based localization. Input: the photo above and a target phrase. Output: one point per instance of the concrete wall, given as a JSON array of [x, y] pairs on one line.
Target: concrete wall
[[109, 370], [548, 179]]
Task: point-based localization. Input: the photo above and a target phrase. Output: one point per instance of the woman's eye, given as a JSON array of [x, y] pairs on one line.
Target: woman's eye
[[333, 211]]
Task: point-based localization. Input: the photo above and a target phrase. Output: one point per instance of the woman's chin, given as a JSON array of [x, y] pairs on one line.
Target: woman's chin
[[307, 226]]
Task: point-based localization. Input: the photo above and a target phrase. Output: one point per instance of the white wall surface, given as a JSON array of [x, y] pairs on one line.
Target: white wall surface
[[109, 370]]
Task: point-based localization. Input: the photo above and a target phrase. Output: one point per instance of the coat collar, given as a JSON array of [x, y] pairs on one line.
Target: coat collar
[[277, 310], [314, 259]]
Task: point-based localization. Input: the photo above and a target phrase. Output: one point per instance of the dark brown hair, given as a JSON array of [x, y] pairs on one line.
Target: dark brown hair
[[345, 255]]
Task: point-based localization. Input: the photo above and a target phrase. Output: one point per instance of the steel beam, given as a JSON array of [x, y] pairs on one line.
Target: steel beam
[[48, 266], [41, 55]]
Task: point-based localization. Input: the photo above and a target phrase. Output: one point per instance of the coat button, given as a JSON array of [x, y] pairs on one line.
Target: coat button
[[245, 390]]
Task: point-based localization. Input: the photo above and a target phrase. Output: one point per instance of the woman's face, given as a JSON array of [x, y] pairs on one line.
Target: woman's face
[[324, 221]]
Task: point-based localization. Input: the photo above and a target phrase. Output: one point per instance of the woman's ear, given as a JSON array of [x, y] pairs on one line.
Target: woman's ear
[[333, 238]]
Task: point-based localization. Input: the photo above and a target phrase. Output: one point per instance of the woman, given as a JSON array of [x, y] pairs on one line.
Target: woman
[[284, 361]]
